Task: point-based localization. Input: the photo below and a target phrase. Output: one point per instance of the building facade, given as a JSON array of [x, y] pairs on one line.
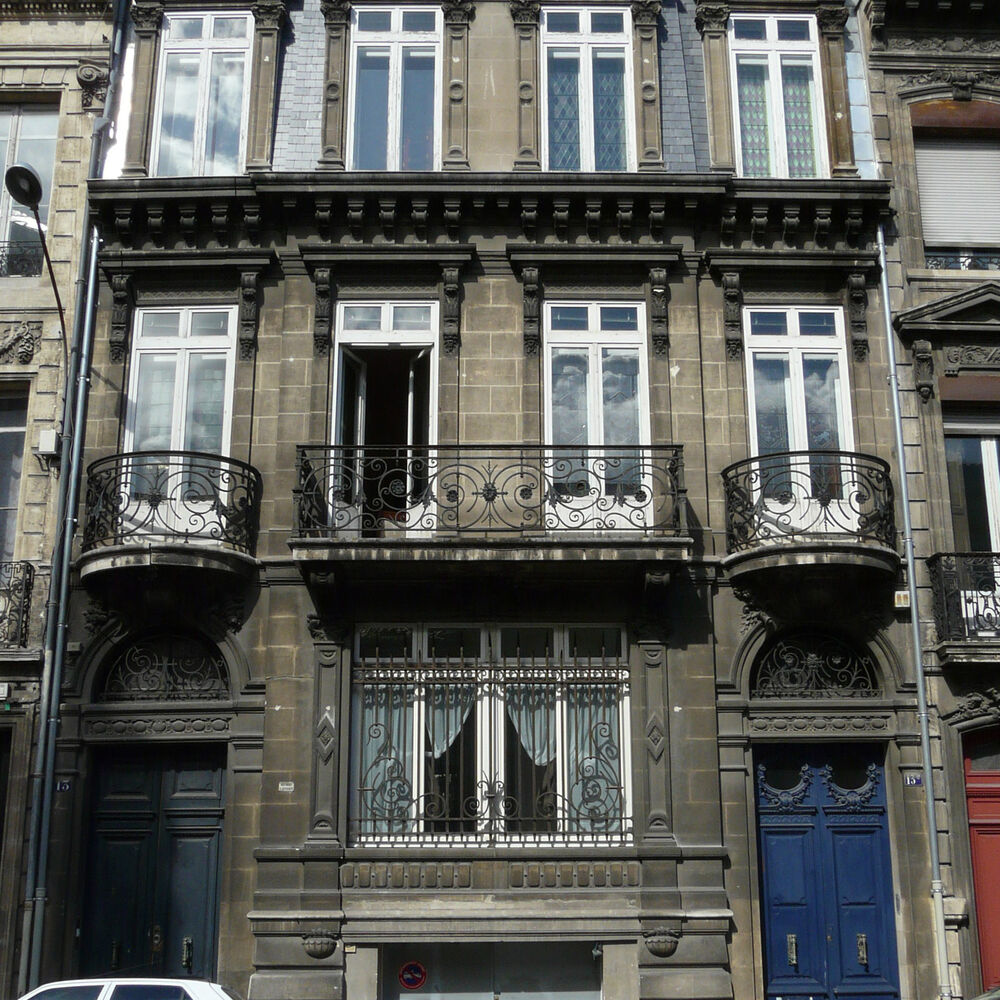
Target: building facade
[[487, 572], [53, 71]]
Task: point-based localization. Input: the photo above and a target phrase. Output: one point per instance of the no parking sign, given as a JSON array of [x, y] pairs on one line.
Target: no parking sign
[[412, 975]]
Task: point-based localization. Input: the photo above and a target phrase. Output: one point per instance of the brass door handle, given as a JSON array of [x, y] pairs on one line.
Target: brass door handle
[[792, 944], [863, 950]]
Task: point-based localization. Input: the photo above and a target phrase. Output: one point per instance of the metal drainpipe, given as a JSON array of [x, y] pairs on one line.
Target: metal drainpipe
[[937, 887], [74, 414]]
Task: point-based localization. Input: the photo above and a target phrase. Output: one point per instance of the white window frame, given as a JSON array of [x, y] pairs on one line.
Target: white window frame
[[207, 47], [586, 42], [395, 40], [490, 727], [797, 347], [774, 53], [19, 390], [182, 347]]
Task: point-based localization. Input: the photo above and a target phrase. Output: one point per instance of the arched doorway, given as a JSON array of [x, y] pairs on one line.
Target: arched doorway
[[156, 814]]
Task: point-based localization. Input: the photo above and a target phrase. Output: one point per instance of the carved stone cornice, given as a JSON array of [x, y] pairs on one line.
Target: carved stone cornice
[[525, 11], [458, 11], [711, 17], [335, 12], [50, 10]]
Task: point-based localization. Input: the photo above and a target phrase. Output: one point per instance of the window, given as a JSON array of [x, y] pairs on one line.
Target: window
[[596, 397], [959, 182], [181, 380], [587, 89], [27, 135], [972, 449], [203, 95], [777, 97], [395, 79], [502, 733], [13, 423]]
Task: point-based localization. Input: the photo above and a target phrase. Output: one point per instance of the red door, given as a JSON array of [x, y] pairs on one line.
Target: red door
[[982, 786]]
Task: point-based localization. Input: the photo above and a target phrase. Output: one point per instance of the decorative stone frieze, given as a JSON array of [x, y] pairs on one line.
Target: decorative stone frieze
[[574, 874], [19, 341]]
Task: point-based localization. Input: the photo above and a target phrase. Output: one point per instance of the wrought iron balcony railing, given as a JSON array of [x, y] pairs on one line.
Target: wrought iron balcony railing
[[20, 260], [801, 496], [374, 492], [16, 579], [963, 260], [172, 496], [490, 752], [966, 588]]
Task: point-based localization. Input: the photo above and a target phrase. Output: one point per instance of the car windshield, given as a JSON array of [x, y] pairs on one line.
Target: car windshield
[[88, 991]]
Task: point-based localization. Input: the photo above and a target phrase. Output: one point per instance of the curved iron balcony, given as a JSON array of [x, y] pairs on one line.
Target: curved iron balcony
[[808, 496], [966, 589], [16, 580], [171, 497], [379, 492]]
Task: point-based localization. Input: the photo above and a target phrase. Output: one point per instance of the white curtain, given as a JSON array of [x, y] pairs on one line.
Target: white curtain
[[593, 758], [532, 709], [448, 706], [385, 754]]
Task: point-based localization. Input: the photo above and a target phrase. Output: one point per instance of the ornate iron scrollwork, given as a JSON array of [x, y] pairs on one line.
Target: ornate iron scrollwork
[[15, 600], [784, 799], [852, 799], [813, 665], [166, 668]]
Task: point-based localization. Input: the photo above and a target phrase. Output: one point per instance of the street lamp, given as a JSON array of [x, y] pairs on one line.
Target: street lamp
[[25, 187]]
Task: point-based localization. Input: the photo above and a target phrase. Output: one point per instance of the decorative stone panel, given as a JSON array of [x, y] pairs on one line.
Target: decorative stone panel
[[574, 875], [406, 875]]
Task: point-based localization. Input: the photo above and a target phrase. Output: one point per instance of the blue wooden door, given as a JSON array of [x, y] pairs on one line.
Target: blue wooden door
[[826, 881]]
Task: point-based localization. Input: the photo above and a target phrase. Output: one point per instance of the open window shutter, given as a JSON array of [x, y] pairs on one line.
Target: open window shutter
[[959, 192]]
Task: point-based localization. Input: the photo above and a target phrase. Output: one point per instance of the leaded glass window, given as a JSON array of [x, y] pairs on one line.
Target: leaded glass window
[[587, 56], [777, 97]]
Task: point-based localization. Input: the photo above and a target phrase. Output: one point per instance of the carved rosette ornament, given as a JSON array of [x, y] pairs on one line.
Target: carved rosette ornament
[[661, 941], [93, 80], [458, 11], [525, 11], [645, 12], [711, 17]]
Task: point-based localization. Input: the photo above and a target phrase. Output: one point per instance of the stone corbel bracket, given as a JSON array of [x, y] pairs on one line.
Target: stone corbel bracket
[[122, 303], [857, 311], [732, 309], [923, 369], [451, 307], [323, 314], [93, 80], [531, 286], [659, 296], [249, 310]]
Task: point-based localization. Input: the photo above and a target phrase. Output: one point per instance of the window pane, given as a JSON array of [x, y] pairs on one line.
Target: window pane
[[37, 145], [619, 318], [180, 101], [453, 643], [184, 27], [416, 132], [821, 379], [161, 324], [793, 31], [230, 27], [225, 113], [563, 22], [620, 396], [570, 369], [206, 394], [154, 402], [371, 109], [13, 417], [593, 755], [607, 23], [967, 485], [609, 111], [210, 324], [411, 317], [13, 410], [751, 93], [5, 121], [749, 29], [590, 642], [770, 381], [768, 324], [797, 88], [362, 318], [817, 324], [526, 642], [568, 317], [91, 992], [419, 20], [564, 110], [385, 640], [374, 20]]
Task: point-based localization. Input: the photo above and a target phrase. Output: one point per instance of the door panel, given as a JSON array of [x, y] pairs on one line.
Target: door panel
[[825, 874], [153, 862], [982, 784]]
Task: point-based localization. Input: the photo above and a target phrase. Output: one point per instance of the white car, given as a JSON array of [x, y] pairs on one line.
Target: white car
[[132, 989]]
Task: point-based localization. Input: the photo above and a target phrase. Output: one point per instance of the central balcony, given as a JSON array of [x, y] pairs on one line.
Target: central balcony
[[500, 502], [966, 589], [170, 509], [804, 528]]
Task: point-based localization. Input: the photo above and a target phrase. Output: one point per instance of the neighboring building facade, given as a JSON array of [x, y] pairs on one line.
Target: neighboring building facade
[[488, 557], [936, 86], [53, 68]]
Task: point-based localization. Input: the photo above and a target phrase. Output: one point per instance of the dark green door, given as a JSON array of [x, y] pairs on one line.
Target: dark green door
[[151, 905]]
